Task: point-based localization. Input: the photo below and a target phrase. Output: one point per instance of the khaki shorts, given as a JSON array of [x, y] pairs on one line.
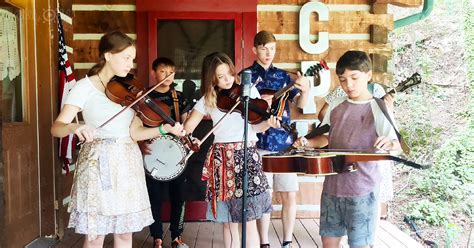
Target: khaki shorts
[[281, 182]]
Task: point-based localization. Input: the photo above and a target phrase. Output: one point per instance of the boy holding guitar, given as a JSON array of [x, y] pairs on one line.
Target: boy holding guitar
[[266, 77], [349, 200]]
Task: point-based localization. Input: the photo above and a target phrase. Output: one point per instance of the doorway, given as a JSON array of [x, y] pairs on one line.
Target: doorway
[[186, 32], [19, 171], [186, 38], [187, 42]]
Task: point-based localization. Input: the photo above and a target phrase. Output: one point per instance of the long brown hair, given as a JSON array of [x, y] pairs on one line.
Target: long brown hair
[[113, 42], [209, 78]]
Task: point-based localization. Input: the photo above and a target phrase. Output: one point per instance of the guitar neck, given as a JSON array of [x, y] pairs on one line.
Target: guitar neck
[[283, 91], [267, 115], [392, 91], [411, 81], [352, 158]]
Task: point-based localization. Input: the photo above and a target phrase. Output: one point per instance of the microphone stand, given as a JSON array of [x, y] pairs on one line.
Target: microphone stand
[[245, 172]]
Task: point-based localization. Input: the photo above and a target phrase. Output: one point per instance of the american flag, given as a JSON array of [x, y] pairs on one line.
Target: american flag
[[67, 145]]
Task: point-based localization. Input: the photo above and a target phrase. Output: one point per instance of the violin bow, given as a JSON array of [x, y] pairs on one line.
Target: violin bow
[[136, 100]]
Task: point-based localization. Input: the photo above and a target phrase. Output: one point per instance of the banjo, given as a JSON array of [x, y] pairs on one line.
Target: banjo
[[167, 159], [169, 155]]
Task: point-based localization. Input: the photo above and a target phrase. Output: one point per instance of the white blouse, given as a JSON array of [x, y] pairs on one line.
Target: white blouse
[[97, 108], [231, 128]]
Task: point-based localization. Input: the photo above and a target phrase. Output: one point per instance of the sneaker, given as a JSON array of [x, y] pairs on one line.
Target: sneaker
[[288, 245], [157, 243], [178, 243]]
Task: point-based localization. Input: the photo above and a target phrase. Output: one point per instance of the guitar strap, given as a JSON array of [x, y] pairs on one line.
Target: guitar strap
[[383, 107], [176, 105], [281, 105]]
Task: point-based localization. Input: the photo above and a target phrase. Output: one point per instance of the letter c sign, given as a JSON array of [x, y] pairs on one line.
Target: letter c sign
[[304, 29]]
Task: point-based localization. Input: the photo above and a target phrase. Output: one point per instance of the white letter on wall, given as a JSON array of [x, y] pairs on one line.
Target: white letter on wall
[[320, 88], [305, 36]]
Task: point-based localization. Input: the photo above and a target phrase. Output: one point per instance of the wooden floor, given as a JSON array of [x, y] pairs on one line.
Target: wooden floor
[[208, 234]]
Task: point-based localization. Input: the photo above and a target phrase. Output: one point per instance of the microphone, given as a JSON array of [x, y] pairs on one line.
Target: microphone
[[246, 82]]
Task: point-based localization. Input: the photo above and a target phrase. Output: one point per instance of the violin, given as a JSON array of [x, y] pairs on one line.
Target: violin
[[258, 108], [126, 91]]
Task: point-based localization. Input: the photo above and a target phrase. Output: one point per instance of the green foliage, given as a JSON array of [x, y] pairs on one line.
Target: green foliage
[[452, 232], [449, 185], [445, 191], [468, 6], [419, 137], [466, 114], [429, 212], [415, 125]]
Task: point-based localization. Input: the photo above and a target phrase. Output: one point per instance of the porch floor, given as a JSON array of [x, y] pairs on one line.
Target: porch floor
[[208, 234]]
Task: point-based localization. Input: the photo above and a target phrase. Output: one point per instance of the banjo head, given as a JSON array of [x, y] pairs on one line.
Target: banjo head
[[167, 159]]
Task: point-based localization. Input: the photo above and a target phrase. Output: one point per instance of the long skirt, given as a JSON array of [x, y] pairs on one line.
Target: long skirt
[[109, 193]]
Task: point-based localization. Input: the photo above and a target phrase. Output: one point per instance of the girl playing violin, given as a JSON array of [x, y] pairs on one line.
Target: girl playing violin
[[109, 193], [223, 166]]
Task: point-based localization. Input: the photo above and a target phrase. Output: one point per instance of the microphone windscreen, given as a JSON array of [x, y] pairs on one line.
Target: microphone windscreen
[[246, 82]]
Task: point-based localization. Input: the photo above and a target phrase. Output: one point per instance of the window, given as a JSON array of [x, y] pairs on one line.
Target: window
[[187, 42], [11, 78]]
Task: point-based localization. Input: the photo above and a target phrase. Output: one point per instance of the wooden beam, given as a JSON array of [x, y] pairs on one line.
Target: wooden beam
[[379, 62], [378, 34], [401, 3], [340, 22], [290, 51], [104, 21]]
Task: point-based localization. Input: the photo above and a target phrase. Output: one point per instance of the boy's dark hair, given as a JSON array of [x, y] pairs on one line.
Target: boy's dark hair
[[162, 61], [263, 37], [353, 60]]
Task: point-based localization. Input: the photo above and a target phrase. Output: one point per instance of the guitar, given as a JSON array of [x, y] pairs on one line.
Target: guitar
[[279, 97], [325, 162]]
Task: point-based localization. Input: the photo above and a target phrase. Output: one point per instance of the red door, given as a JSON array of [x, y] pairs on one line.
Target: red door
[[186, 31]]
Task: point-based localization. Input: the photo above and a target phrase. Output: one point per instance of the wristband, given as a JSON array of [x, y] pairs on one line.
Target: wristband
[[160, 128]]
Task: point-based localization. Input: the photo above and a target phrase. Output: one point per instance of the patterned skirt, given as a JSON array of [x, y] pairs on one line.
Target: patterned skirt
[[109, 193], [223, 171]]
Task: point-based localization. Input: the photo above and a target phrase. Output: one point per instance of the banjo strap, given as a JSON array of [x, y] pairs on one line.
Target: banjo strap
[[176, 105]]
